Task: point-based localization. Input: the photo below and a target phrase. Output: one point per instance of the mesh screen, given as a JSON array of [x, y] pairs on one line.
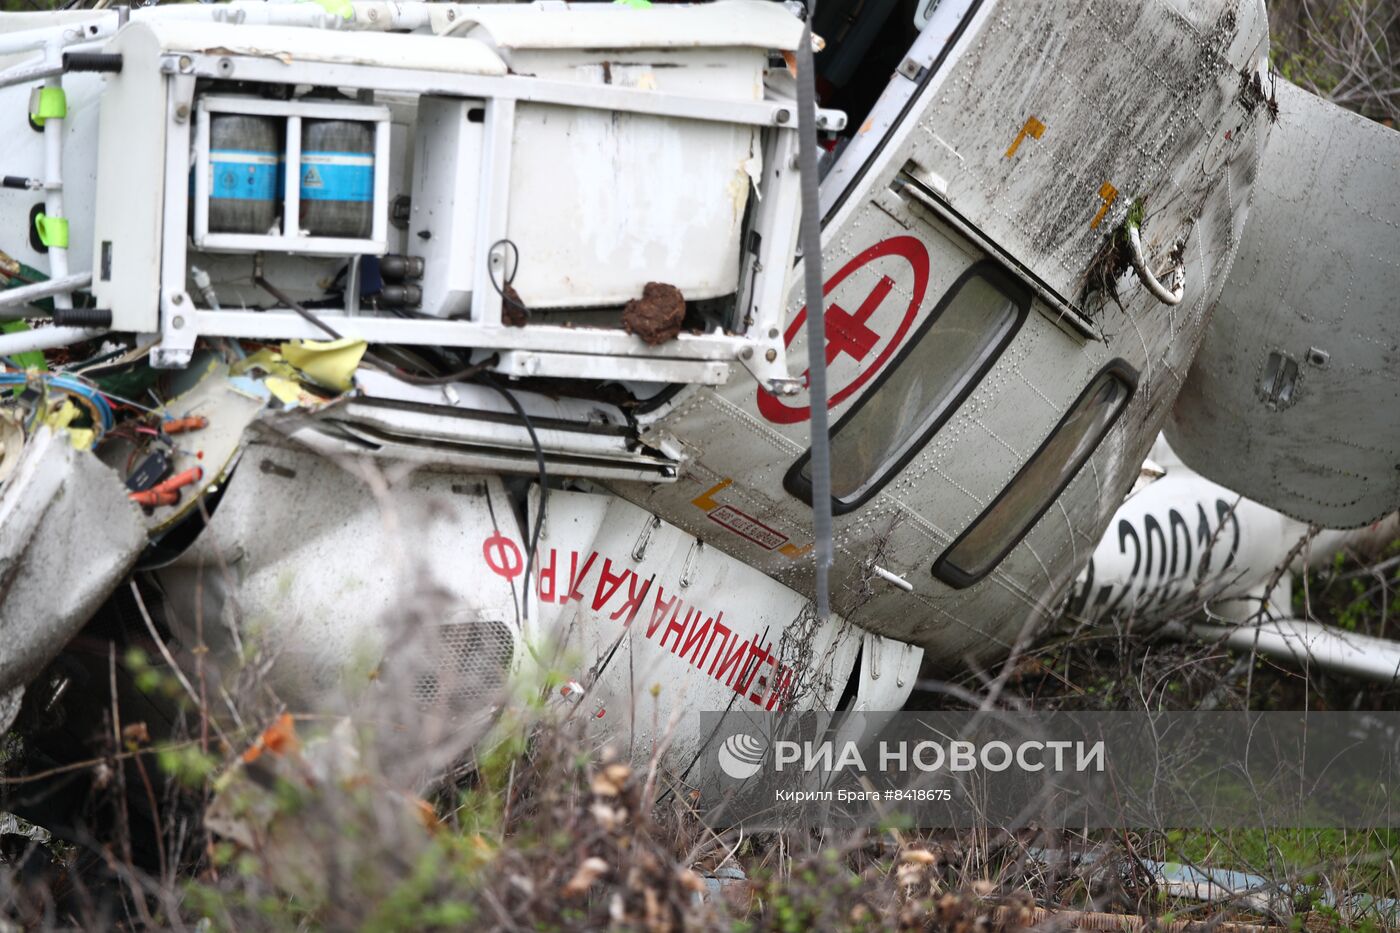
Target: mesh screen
[[468, 667]]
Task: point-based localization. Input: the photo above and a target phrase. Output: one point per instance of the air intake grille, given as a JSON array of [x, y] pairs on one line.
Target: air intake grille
[[468, 668]]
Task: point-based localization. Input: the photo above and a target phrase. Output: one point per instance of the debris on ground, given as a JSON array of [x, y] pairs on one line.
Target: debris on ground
[[138, 450], [57, 565], [330, 364]]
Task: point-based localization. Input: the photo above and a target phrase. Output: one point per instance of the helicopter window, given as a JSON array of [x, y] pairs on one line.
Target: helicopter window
[[941, 365], [1039, 483]]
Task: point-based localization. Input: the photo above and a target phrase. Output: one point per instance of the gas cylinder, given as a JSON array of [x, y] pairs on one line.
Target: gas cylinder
[[244, 163], [337, 178]]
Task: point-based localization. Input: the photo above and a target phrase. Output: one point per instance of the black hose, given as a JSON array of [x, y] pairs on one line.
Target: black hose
[[487, 380], [461, 375], [92, 61], [82, 317], [476, 371], [281, 296]]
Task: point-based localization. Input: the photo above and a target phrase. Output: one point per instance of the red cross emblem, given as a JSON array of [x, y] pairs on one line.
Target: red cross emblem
[[852, 339]]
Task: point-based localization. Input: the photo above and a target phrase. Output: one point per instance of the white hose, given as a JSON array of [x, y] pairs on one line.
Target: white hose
[[1166, 296], [23, 295], [1301, 642], [892, 577], [45, 338], [205, 284]]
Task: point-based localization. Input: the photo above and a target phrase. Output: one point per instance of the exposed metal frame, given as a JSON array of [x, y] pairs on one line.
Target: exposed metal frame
[[291, 239], [535, 349]]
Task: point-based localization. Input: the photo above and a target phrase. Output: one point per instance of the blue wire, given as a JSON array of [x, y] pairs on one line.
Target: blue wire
[[72, 387]]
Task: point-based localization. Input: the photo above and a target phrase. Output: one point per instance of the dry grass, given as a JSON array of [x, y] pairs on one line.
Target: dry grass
[[1346, 51], [548, 829]]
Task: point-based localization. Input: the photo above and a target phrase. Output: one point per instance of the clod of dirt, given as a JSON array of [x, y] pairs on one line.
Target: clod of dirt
[[656, 316], [513, 310]]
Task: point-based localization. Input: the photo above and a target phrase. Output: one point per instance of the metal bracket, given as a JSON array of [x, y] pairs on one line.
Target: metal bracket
[[911, 69], [786, 386]]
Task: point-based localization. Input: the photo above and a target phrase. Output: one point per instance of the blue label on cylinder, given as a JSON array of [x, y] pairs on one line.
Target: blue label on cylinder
[[337, 176], [239, 175]]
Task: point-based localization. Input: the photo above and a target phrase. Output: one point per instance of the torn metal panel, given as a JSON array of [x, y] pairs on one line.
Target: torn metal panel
[[473, 427], [68, 536], [1292, 399], [342, 577]]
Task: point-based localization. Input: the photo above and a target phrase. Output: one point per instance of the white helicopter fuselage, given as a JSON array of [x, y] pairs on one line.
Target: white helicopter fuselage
[[1024, 242]]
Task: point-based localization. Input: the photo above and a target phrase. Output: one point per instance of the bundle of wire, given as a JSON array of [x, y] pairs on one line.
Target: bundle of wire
[[85, 395]]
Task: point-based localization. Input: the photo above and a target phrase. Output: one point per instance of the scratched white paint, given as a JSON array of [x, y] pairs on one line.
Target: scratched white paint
[[1132, 94], [630, 199]]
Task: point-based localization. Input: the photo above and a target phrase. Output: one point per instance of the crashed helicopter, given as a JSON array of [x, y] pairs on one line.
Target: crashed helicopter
[[350, 309]]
